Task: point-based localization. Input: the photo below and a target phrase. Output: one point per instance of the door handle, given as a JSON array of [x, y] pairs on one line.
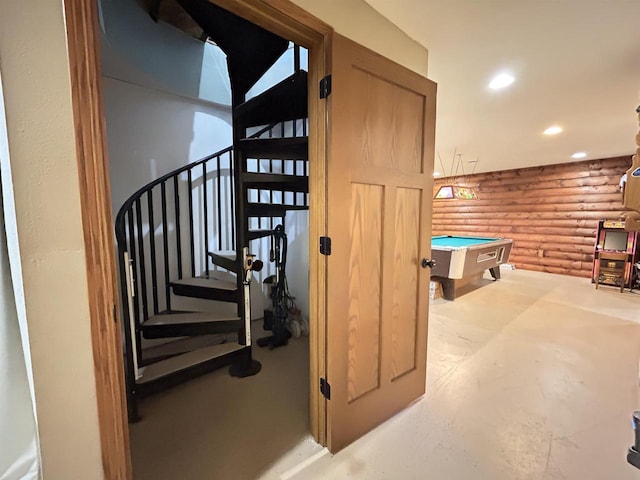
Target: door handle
[[428, 263]]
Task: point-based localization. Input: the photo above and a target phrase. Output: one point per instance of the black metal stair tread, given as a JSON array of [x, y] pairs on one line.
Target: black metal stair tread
[[286, 100], [180, 345], [228, 254], [211, 282], [290, 148], [276, 181], [271, 209], [184, 361], [225, 259], [188, 318], [220, 286], [190, 324], [255, 234]]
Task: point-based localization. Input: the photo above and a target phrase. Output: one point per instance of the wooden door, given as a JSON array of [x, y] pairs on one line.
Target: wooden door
[[380, 167]]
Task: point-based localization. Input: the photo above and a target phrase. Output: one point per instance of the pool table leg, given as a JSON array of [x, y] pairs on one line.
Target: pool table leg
[[448, 288], [495, 272]]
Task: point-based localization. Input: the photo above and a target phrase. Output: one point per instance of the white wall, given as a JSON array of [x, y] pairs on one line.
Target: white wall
[[150, 133], [18, 442], [357, 20], [40, 130], [167, 97], [159, 56], [19, 451], [297, 230]]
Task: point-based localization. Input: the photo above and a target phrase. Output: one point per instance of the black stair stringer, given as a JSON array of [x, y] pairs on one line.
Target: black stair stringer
[[251, 50], [286, 100]]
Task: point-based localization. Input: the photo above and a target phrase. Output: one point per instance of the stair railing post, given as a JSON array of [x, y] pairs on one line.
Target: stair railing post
[[130, 357], [247, 366], [239, 201]]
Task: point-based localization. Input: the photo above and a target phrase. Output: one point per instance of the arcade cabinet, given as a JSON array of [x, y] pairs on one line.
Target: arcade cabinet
[[614, 255]]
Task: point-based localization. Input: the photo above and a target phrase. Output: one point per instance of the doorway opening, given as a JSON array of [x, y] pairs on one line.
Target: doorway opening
[[180, 233]]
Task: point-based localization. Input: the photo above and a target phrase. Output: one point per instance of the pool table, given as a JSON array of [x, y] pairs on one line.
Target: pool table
[[459, 258]]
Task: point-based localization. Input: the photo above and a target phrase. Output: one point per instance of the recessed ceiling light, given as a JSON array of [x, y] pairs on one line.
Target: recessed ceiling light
[[501, 80], [436, 174], [579, 155], [553, 130]]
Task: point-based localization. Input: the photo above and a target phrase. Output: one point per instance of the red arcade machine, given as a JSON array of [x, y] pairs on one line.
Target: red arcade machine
[[614, 255]]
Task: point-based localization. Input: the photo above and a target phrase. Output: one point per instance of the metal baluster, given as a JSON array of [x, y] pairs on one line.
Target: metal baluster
[[176, 198], [206, 219], [191, 243], [141, 262], [165, 245], [152, 249], [136, 304]]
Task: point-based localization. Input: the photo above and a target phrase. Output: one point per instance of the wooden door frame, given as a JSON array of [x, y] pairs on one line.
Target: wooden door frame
[[279, 16], [81, 19]]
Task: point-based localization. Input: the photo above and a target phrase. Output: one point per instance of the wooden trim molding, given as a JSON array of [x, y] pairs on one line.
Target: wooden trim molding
[[95, 198], [318, 141], [281, 17]]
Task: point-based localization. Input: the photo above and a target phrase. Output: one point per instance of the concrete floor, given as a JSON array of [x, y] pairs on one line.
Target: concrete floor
[[531, 377]]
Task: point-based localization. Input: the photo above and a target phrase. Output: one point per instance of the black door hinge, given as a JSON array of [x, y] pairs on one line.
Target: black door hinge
[[325, 87], [325, 245], [325, 389]]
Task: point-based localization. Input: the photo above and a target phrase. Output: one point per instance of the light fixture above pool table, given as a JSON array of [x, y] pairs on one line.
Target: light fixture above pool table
[[456, 192], [453, 190]]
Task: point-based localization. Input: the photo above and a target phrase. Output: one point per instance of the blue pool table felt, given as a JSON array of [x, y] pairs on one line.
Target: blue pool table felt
[[459, 242]]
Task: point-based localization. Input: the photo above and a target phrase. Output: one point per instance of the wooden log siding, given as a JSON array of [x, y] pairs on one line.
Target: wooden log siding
[[551, 212]]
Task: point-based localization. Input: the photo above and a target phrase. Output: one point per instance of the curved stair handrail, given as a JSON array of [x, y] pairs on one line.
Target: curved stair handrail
[[165, 230], [128, 204]]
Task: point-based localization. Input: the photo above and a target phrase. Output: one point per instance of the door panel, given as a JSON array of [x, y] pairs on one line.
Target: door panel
[[365, 281], [389, 112], [379, 173], [404, 314]]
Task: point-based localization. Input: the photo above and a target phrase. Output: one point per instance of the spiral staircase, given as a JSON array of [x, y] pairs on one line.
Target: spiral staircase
[[181, 238]]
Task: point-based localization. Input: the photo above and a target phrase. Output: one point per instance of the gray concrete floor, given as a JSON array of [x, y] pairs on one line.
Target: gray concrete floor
[[531, 377]]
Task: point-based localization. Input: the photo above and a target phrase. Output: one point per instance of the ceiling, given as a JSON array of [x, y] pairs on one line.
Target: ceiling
[[576, 64]]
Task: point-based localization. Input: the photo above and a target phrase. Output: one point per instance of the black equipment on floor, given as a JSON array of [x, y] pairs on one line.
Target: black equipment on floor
[[281, 300], [633, 456]]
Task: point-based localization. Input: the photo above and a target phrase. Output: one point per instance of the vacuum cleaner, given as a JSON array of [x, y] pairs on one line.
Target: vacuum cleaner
[[282, 303]]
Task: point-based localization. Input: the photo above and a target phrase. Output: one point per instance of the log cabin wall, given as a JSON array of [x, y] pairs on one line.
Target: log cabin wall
[[551, 212]]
